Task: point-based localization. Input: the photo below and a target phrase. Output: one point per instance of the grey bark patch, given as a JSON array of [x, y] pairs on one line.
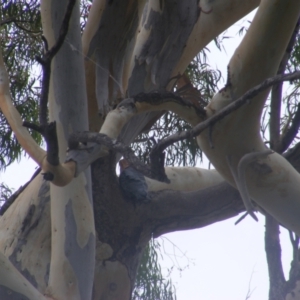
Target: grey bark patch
[[18, 264], [35, 212], [8, 294], [27, 221], [30, 221], [68, 72], [170, 30], [78, 257], [109, 45]]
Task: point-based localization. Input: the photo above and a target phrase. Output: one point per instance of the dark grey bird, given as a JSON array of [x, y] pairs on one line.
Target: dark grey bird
[[133, 184]]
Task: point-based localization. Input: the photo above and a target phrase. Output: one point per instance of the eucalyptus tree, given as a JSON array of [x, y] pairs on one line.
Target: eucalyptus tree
[[69, 234]]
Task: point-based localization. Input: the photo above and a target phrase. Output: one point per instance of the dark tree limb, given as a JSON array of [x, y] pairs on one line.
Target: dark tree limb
[[275, 109], [49, 133], [6, 21], [278, 284], [277, 288], [294, 275], [276, 97], [160, 97], [291, 133], [293, 156], [45, 62], [17, 24], [163, 144]]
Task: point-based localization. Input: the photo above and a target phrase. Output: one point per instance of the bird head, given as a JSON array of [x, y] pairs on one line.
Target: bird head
[[124, 164]]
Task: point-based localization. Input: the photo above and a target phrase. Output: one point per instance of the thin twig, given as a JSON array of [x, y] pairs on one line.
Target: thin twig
[[240, 219], [6, 21]]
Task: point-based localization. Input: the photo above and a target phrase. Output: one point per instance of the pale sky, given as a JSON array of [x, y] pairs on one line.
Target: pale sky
[[221, 261]]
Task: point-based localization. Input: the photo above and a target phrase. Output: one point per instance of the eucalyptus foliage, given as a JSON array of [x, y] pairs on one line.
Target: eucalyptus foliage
[[150, 284], [21, 42]]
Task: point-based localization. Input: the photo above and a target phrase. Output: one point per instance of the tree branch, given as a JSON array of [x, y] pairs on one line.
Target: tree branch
[[45, 61], [289, 136], [273, 251], [176, 210], [155, 99], [49, 133], [272, 240], [293, 156], [164, 97], [163, 144], [14, 119], [295, 266], [276, 95]]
